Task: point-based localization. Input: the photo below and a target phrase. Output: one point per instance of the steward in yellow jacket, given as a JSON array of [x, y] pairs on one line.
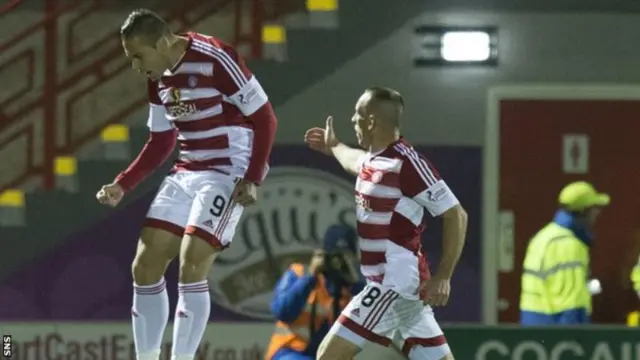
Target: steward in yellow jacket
[[556, 265], [635, 277]]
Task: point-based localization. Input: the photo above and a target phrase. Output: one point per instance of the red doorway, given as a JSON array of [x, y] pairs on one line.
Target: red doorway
[[550, 138]]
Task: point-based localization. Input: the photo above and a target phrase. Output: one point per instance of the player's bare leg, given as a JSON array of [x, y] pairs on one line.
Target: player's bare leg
[[334, 347], [150, 311], [194, 303]]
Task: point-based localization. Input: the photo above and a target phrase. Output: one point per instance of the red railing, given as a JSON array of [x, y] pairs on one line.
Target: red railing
[[28, 134], [262, 11], [19, 122], [9, 5]]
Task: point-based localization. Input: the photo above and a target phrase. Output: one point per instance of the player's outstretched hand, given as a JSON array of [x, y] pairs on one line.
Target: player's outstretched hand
[[437, 291], [320, 139], [314, 137], [110, 194]]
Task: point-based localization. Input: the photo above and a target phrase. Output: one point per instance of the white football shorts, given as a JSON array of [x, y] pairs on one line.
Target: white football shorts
[[196, 203]]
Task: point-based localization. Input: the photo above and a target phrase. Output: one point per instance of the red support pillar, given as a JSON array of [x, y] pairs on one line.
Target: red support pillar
[[257, 21], [50, 96], [238, 21]]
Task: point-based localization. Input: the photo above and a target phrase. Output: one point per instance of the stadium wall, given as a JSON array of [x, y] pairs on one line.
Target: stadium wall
[[447, 106]]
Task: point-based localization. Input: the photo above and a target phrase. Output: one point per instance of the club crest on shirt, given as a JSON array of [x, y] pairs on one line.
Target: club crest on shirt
[[176, 107]]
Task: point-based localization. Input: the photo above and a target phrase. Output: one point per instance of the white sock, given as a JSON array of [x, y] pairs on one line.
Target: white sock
[[192, 316], [149, 317], [182, 357], [149, 356]]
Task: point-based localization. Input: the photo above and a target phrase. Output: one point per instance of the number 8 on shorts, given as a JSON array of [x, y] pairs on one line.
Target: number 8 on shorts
[[377, 313]]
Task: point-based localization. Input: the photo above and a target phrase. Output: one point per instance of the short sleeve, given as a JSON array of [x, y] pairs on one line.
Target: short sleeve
[[420, 181], [235, 80], [157, 120]]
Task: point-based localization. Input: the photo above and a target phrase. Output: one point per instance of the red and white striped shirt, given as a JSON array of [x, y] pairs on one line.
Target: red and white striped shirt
[[207, 96], [393, 188]]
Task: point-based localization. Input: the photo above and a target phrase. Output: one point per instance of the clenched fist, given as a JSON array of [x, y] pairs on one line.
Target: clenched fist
[[110, 194]]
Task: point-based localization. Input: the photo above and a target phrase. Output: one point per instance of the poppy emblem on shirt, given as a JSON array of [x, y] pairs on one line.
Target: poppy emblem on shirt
[[376, 177], [192, 81]]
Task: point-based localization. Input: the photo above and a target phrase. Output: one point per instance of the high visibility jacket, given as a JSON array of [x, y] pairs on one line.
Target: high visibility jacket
[[635, 277], [554, 278], [296, 318], [633, 319]]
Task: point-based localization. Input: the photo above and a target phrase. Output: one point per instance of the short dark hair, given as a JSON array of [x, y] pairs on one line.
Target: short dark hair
[[383, 95], [386, 94], [146, 24]]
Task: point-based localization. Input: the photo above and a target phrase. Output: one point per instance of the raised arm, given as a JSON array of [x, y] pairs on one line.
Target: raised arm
[[349, 158]]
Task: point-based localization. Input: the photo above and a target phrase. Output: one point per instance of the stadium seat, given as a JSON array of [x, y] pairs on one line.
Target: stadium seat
[[323, 14], [322, 5], [66, 168], [12, 208], [115, 133], [274, 42], [115, 142]]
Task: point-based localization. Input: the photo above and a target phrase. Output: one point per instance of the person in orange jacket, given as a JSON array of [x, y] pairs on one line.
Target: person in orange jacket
[[307, 299]]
